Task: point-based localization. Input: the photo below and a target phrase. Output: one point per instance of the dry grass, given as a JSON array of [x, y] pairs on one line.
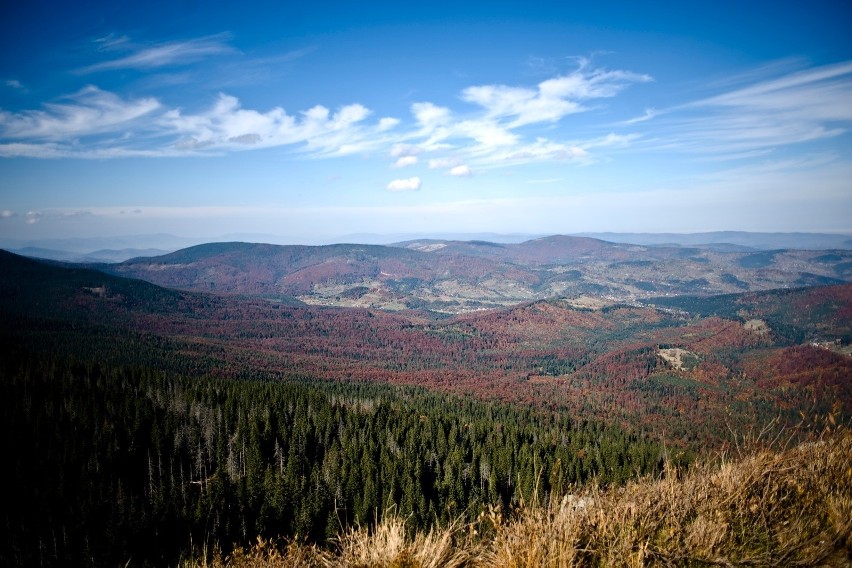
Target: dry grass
[[790, 508], [264, 554], [387, 545], [770, 509]]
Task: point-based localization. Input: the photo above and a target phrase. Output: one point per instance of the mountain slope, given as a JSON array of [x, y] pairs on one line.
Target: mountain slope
[[663, 369], [456, 276], [51, 290]]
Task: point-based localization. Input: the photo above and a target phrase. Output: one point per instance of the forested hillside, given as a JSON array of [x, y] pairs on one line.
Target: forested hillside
[[656, 369], [145, 421], [113, 464]]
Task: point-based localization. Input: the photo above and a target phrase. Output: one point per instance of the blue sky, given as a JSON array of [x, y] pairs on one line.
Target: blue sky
[[207, 118]]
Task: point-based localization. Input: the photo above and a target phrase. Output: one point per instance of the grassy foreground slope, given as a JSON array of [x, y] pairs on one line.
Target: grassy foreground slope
[[788, 508]]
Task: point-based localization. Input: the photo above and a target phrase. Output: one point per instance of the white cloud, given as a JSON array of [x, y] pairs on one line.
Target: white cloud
[[387, 123], [487, 133], [442, 163], [50, 150], [405, 161], [554, 98], [87, 112], [542, 150], [460, 171], [93, 123], [410, 184], [402, 150], [7, 214], [350, 114], [491, 136], [226, 125], [34, 217], [161, 54], [525, 105], [429, 115]]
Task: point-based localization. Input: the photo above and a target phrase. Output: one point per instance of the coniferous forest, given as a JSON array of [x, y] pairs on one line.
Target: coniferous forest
[[128, 463]]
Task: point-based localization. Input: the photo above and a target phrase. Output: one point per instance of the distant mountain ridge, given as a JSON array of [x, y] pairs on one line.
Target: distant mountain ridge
[[80, 249], [103, 255], [759, 241], [458, 276]]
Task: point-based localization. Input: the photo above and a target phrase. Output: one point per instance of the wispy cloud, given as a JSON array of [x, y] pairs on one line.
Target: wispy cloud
[[648, 115], [442, 163], [552, 99], [775, 112], [111, 42], [15, 84], [541, 150], [405, 154], [160, 54], [86, 112], [403, 150], [405, 161]]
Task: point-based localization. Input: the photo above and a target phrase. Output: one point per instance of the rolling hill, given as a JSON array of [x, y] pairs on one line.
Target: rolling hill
[[666, 366], [461, 276]]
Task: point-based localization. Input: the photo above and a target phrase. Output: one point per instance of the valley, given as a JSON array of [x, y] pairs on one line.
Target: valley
[[558, 322]]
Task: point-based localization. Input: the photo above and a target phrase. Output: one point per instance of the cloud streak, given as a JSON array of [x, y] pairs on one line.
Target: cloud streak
[[160, 54], [87, 112], [16, 85], [768, 114]]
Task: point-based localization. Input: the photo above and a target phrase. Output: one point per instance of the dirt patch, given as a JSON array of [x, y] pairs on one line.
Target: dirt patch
[[588, 302], [756, 326], [680, 359]]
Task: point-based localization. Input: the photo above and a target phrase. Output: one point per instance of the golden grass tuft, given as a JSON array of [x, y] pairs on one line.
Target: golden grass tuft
[[264, 554], [790, 508], [387, 545]]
